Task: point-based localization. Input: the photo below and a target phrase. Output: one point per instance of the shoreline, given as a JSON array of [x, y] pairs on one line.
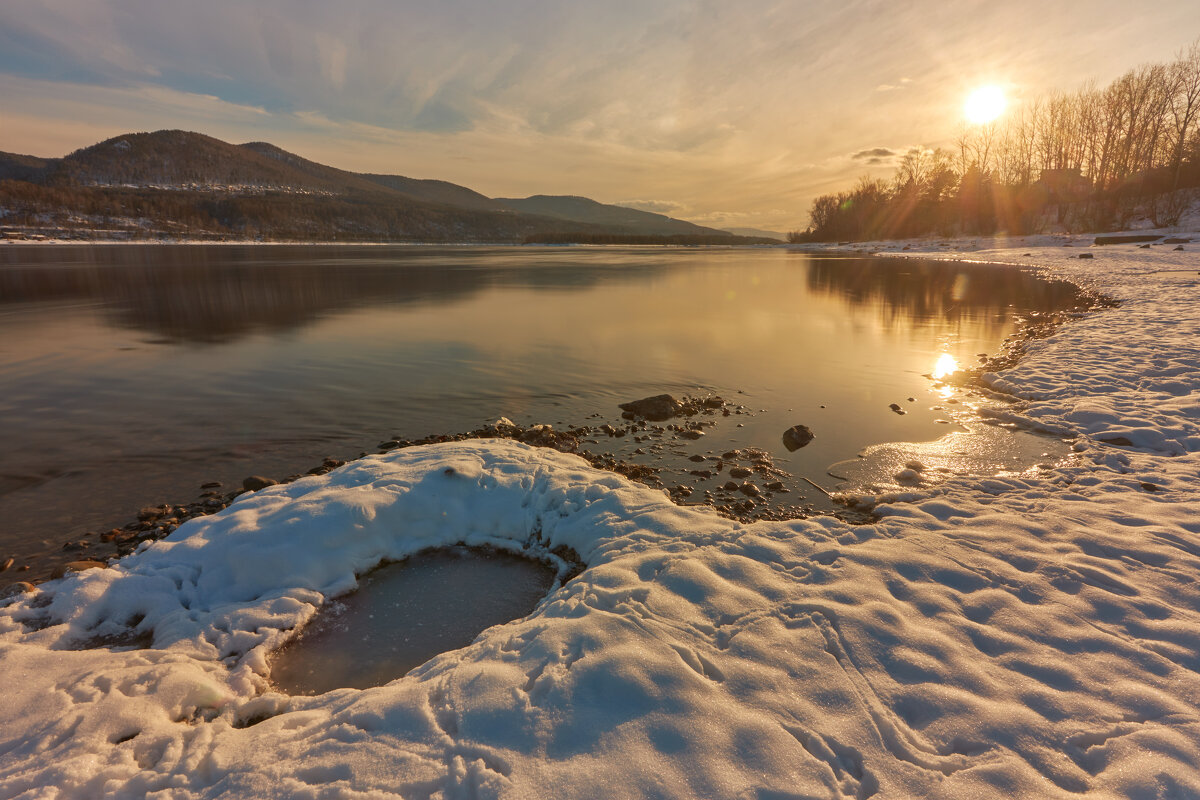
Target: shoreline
[[155, 521]]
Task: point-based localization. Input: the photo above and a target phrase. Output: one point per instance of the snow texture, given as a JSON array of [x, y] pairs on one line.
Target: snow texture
[[1023, 636]]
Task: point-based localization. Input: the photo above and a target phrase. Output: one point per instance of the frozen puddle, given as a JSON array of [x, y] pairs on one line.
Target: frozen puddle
[[405, 613]]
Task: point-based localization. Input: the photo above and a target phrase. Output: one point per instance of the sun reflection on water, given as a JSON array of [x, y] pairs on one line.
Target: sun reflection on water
[[945, 365]]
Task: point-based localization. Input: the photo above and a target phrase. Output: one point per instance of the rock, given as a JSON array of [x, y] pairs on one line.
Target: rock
[[696, 458], [1144, 246], [730, 486], [256, 482], [908, 476], [740, 472], [20, 587], [1146, 485], [388, 445], [1179, 247], [796, 437], [690, 433], [77, 566], [150, 512], [657, 408], [896, 407], [749, 489], [7, 563], [776, 486], [211, 485], [1086, 255], [1176, 240], [78, 545]]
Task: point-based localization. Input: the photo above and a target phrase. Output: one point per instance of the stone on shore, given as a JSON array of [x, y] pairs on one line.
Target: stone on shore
[[796, 437], [656, 409], [256, 482], [76, 566]]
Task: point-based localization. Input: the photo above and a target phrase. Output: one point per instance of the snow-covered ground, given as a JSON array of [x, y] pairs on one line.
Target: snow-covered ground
[[1019, 637]]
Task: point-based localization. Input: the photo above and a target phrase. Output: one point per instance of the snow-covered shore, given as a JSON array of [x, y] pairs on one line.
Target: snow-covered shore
[[1032, 636]]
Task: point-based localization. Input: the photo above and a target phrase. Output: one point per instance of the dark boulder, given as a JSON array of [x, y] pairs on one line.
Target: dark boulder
[[796, 437], [657, 408], [256, 482]]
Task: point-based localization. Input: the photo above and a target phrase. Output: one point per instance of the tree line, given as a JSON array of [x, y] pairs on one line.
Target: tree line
[[1092, 159]]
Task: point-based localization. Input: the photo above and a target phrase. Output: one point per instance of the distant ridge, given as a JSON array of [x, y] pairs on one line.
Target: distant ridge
[[180, 184], [630, 220]]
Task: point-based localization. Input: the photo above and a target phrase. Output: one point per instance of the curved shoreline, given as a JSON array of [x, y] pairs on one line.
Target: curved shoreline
[[155, 521]]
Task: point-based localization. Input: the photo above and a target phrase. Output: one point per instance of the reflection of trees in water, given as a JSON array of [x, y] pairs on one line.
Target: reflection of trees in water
[[212, 294], [907, 290]]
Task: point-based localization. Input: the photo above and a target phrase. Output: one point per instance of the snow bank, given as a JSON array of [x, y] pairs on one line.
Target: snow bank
[[1017, 636]]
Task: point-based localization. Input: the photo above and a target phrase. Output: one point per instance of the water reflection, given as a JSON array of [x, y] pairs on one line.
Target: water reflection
[[907, 290], [219, 293], [312, 352]]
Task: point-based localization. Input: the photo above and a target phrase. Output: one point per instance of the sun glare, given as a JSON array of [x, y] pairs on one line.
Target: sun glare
[[946, 364], [984, 104]]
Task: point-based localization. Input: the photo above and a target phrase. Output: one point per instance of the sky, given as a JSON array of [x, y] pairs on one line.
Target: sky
[[730, 114]]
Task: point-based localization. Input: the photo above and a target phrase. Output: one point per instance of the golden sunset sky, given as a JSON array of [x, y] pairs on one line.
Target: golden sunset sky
[[723, 113]]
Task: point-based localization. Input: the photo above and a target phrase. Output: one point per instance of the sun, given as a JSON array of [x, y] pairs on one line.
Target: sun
[[984, 104]]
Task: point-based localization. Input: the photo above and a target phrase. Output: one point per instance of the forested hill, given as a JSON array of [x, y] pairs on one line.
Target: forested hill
[[188, 185], [581, 209]]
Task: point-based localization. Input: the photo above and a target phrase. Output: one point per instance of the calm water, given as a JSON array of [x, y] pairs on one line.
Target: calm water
[[130, 375], [405, 613]]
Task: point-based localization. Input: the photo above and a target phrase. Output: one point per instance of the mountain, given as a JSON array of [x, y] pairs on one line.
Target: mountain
[[433, 191], [15, 167], [183, 184], [629, 220]]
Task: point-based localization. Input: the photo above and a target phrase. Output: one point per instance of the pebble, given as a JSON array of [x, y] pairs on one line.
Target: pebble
[[896, 407], [20, 587], [8, 562], [740, 472]]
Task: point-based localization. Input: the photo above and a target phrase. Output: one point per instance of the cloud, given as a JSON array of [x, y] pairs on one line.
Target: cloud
[[891, 87], [874, 155], [668, 207], [711, 104]]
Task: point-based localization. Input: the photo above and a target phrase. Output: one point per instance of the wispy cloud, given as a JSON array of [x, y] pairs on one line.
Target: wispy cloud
[[750, 106], [668, 207]]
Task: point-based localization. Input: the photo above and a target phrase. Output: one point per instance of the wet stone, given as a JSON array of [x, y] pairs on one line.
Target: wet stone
[[256, 482], [657, 408], [796, 437], [76, 566]]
